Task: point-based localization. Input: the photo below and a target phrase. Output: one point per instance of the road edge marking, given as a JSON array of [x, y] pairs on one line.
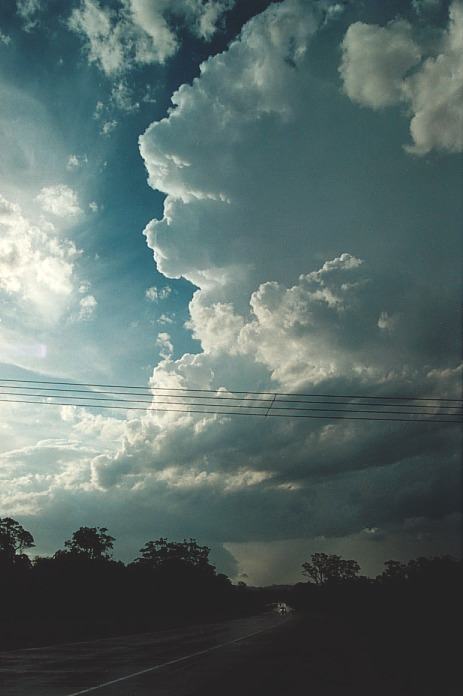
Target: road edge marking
[[173, 662]]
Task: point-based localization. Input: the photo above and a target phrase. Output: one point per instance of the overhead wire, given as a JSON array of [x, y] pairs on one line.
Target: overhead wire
[[273, 403], [218, 402], [431, 419], [223, 396], [233, 391]]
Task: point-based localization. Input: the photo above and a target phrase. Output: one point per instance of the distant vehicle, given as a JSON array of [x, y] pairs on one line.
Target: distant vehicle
[[281, 608]]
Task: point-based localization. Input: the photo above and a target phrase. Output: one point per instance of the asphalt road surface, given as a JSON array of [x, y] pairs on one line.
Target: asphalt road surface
[[266, 655], [170, 662]]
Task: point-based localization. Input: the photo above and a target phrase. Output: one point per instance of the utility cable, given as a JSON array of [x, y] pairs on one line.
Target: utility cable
[[431, 419], [253, 393], [273, 403], [220, 397]]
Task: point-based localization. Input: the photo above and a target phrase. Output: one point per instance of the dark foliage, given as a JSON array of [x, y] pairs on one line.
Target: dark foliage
[[14, 539], [92, 543], [81, 592], [406, 618], [328, 568]]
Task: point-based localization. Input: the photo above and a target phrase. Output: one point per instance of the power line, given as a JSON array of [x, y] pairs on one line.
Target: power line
[[431, 419], [231, 391], [275, 397], [272, 402]]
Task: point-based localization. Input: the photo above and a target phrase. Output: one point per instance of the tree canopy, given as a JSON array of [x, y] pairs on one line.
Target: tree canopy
[[324, 568], [14, 539], [161, 553], [417, 569], [93, 543]]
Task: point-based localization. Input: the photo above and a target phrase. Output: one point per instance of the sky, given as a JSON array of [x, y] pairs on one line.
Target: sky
[[236, 195]]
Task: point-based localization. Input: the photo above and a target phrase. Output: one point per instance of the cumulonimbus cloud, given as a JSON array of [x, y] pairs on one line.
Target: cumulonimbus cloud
[[249, 207], [300, 284]]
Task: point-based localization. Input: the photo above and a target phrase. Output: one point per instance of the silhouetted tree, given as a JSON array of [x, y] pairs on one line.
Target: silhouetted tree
[[395, 572], [420, 570], [324, 568], [161, 553], [14, 539], [92, 543]]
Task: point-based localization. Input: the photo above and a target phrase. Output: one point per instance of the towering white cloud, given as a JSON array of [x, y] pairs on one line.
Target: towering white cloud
[[253, 203], [219, 175], [297, 229]]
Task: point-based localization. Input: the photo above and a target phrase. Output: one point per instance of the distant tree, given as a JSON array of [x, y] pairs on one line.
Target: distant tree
[[395, 571], [14, 540], [324, 568], [420, 569], [437, 567], [162, 553], [89, 542]]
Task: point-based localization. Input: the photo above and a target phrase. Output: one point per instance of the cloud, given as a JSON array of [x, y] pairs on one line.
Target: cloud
[[108, 127], [298, 332], [138, 32], [166, 319], [273, 310], [122, 98], [32, 149], [20, 348], [260, 76], [59, 200], [28, 10], [164, 344], [40, 276], [276, 479], [36, 265], [381, 66], [76, 162], [87, 307], [278, 562], [103, 34], [302, 241], [435, 94], [375, 62], [422, 7], [4, 39], [106, 430], [154, 294], [387, 322]]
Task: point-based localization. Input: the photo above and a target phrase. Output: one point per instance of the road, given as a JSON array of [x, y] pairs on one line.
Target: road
[[166, 663], [266, 655]]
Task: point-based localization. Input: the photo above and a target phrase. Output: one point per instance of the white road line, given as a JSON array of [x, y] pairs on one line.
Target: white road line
[[171, 662]]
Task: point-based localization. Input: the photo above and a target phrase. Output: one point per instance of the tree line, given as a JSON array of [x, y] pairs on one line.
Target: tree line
[[406, 619], [80, 591]]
